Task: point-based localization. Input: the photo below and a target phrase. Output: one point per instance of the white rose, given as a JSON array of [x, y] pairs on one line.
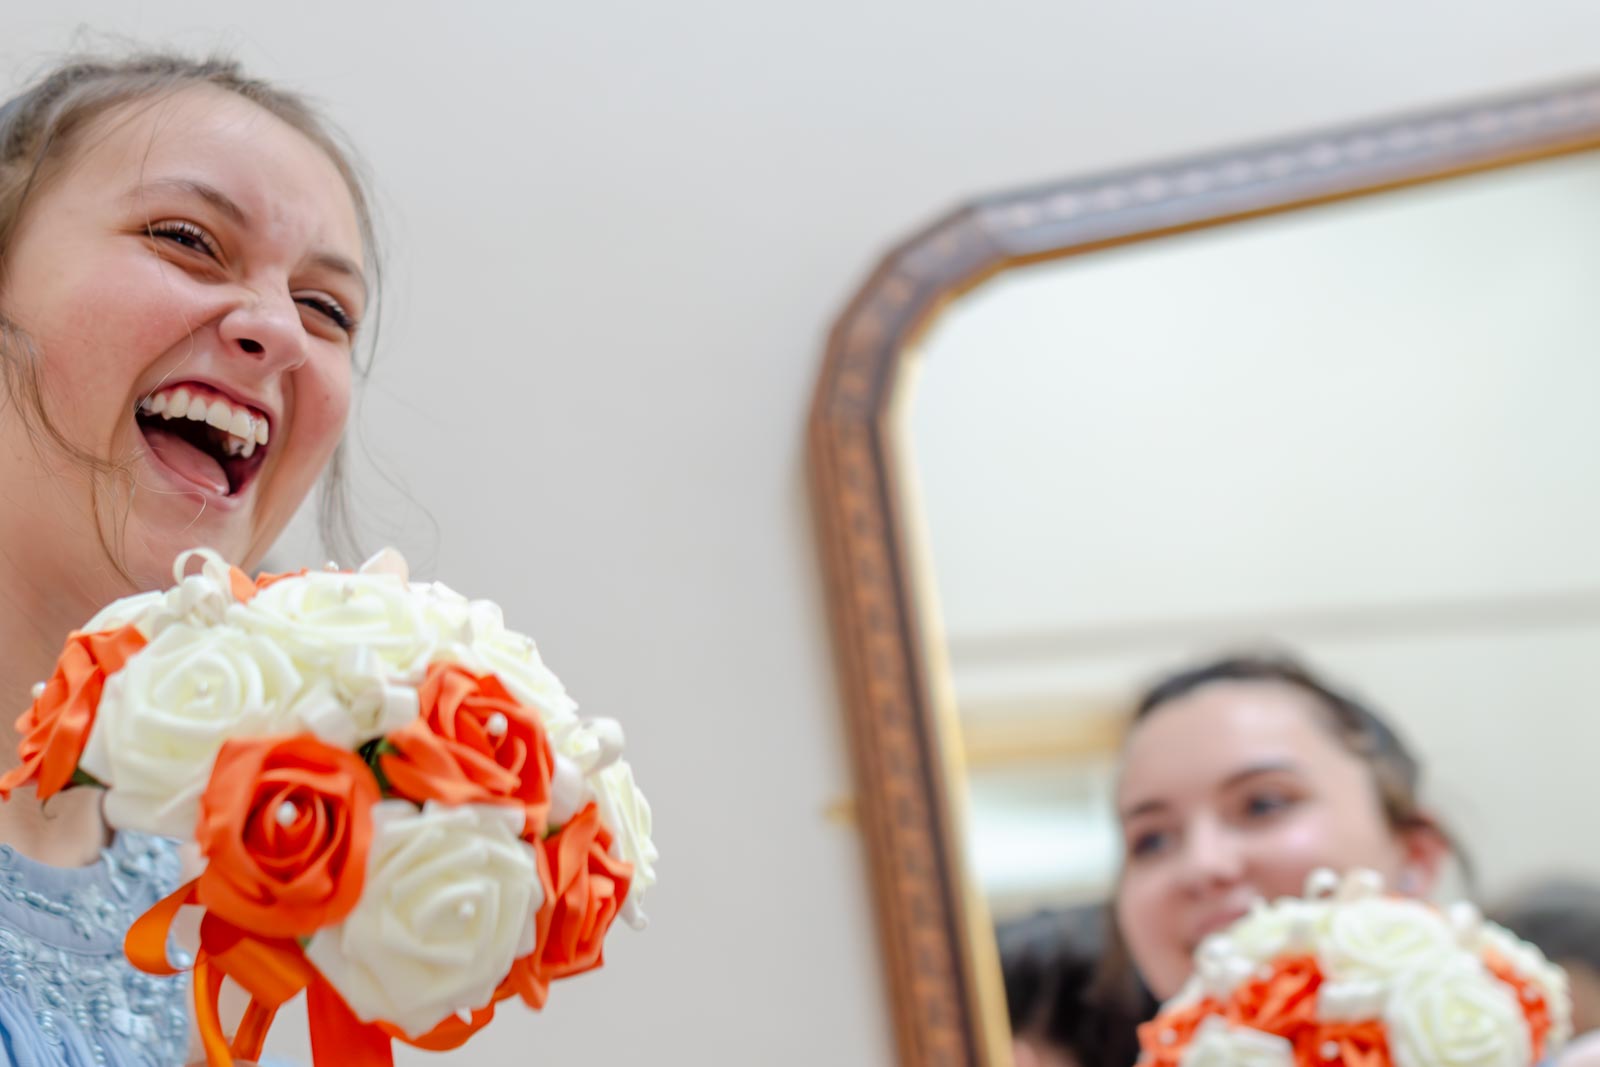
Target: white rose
[[1216, 1044], [1288, 927], [626, 813], [592, 744], [1221, 967], [1531, 965], [356, 701], [163, 717], [473, 634], [1456, 1015], [1378, 939], [583, 748], [514, 659], [447, 907], [448, 613], [1351, 1001], [319, 618]]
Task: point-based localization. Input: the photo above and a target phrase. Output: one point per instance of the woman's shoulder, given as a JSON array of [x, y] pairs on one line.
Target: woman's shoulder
[[87, 908], [147, 867], [1584, 1052], [65, 985]]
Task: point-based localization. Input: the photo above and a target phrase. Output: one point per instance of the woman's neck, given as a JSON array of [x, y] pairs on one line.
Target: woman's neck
[[37, 612]]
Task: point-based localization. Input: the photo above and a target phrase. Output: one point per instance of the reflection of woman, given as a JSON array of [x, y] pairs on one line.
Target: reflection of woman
[[183, 254], [1239, 779]]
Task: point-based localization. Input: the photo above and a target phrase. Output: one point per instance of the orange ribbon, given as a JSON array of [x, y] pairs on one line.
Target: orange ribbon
[[272, 972], [239, 583], [452, 1033]]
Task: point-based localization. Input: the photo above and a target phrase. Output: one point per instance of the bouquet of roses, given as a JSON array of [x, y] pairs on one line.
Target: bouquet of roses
[[399, 810], [1349, 976]]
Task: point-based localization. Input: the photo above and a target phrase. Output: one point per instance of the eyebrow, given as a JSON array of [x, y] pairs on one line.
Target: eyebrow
[[189, 186], [342, 265], [1244, 774], [230, 209]]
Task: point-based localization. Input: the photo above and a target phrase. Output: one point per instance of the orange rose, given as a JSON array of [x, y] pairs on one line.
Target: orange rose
[[586, 888], [55, 727], [1529, 997], [1281, 1004], [472, 743], [1361, 1044], [285, 825]]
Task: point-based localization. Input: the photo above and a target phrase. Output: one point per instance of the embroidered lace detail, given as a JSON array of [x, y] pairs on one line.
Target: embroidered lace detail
[[61, 953]]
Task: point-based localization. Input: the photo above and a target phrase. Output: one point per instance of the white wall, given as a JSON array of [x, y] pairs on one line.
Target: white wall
[[1376, 403], [619, 234]]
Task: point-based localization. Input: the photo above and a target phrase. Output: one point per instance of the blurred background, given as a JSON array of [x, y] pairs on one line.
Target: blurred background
[[617, 235]]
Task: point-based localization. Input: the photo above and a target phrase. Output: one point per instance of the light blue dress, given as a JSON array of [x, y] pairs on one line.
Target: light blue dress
[[68, 996]]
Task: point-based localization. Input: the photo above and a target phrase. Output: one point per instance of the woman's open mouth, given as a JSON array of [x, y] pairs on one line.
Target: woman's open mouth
[[213, 442]]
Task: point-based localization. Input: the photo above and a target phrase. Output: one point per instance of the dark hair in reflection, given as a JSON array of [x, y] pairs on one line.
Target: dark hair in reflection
[[1051, 964], [1561, 916], [1396, 775]]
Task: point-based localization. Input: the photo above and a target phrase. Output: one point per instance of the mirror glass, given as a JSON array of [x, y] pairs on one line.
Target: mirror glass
[[1364, 431]]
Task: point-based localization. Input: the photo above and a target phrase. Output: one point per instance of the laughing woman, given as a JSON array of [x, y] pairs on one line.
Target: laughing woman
[[184, 263]]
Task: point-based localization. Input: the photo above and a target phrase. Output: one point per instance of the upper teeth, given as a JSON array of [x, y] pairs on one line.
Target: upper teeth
[[245, 429]]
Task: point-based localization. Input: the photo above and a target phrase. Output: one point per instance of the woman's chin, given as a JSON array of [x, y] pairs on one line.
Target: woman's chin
[[1168, 980], [149, 559]]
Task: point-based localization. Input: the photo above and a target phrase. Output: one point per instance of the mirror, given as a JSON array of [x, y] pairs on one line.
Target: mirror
[[1361, 430], [1332, 395]]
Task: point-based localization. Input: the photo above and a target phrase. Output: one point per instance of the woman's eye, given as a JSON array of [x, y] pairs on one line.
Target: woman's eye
[[1260, 805], [330, 309], [1148, 843], [186, 234]]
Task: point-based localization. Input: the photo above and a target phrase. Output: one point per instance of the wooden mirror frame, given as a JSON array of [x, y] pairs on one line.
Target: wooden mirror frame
[[890, 662]]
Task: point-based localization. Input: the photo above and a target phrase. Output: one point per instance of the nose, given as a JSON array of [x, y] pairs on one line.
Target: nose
[[1212, 856], [266, 328]]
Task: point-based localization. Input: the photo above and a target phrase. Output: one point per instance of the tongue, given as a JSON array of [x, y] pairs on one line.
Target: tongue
[[187, 460]]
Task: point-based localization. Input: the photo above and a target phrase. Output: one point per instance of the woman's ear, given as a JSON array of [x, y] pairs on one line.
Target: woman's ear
[[1425, 850]]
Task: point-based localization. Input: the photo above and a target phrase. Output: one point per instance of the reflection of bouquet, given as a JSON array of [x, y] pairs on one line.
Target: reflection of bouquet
[[399, 809], [1349, 976]]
